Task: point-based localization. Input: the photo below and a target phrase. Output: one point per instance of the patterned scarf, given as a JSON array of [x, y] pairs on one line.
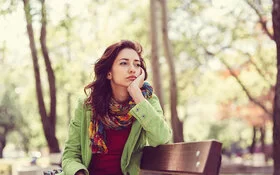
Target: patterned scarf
[[118, 117]]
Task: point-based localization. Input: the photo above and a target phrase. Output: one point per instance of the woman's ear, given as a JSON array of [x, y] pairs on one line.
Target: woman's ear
[[109, 76]]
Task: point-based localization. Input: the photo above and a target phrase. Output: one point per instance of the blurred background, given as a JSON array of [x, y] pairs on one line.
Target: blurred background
[[211, 62]]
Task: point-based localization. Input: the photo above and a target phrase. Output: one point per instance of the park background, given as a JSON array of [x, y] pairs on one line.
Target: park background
[[212, 63]]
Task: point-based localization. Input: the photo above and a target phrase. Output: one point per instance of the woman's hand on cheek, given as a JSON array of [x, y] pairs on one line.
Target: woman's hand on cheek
[[134, 88], [140, 79]]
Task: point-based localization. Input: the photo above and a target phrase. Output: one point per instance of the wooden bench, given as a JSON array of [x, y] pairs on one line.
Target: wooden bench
[[191, 158]]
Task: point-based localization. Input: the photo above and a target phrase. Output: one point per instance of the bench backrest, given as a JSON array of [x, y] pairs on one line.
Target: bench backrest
[[182, 158]]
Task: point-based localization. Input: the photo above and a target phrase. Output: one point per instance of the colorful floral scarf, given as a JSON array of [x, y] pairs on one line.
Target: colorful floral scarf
[[118, 117]]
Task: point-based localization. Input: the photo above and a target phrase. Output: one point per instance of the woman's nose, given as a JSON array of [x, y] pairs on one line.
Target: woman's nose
[[132, 69]]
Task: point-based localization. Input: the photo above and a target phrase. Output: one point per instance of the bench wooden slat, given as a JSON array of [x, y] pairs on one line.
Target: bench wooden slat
[[182, 158]]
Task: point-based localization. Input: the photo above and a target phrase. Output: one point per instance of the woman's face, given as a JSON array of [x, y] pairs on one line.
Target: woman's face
[[125, 69]]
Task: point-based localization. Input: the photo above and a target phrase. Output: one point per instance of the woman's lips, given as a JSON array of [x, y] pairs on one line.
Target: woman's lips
[[131, 77]]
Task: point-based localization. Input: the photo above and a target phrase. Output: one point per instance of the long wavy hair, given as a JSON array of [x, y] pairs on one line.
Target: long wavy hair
[[99, 92]]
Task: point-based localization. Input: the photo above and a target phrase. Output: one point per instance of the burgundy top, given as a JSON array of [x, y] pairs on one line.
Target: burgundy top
[[110, 163]]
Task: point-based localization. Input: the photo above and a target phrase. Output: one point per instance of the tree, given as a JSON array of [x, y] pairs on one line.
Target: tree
[[253, 62], [155, 60], [11, 120], [7, 117], [48, 119], [177, 125], [67, 27], [276, 110]]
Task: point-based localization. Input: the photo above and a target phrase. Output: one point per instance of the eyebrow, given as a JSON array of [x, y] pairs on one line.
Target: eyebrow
[[126, 59]]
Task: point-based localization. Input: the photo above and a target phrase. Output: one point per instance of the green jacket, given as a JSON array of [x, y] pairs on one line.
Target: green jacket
[[149, 129]]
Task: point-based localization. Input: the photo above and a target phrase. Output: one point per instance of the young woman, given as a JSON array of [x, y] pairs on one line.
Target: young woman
[[119, 117]]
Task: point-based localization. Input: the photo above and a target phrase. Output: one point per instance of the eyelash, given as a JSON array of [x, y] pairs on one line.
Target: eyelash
[[124, 63]]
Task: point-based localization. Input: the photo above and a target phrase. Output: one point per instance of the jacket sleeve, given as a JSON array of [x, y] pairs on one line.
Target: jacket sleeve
[[72, 158], [150, 115]]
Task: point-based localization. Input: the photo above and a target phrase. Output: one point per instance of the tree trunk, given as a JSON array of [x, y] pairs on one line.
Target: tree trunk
[[262, 139], [69, 59], [54, 146], [48, 127], [1, 148], [155, 61], [2, 142], [50, 73], [177, 125], [276, 109], [263, 147], [253, 144], [69, 107]]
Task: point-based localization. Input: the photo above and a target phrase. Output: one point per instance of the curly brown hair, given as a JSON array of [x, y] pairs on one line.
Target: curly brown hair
[[100, 91]]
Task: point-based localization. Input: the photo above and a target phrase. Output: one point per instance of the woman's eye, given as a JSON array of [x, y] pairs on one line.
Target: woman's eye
[[138, 65], [123, 63]]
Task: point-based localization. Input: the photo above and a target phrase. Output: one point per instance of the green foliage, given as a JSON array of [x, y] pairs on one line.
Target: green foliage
[[201, 38], [7, 6], [229, 131], [12, 122], [8, 113]]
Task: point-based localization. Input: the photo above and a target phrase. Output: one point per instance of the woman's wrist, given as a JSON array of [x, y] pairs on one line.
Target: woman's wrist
[[138, 98], [136, 94]]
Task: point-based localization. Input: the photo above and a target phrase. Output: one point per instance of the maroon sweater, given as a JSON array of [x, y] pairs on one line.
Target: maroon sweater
[[110, 163]]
